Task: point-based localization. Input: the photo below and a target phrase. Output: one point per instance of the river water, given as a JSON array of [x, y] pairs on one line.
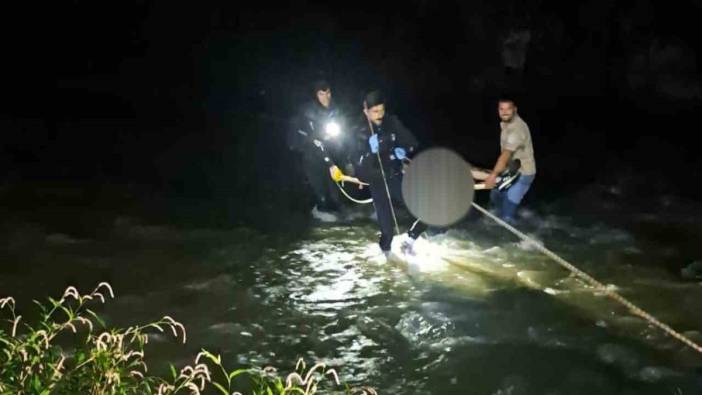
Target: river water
[[477, 311]]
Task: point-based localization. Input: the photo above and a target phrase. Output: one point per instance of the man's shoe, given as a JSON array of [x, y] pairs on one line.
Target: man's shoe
[[407, 247]]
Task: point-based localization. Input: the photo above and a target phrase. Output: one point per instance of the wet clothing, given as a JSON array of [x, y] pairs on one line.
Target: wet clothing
[[391, 134], [505, 202], [384, 212], [319, 150]]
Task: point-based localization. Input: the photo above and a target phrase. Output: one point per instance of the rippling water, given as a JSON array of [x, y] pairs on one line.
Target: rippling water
[[477, 311]]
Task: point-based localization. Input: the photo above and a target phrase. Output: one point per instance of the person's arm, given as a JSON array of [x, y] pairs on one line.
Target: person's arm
[[309, 141], [500, 166], [338, 176], [355, 145], [502, 162], [479, 174], [344, 156], [514, 139], [351, 143]]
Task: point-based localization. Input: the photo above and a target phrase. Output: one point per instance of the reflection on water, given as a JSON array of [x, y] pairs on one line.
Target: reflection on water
[[474, 312]]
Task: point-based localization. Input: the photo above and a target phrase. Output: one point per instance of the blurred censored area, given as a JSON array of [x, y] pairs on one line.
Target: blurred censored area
[[437, 187]]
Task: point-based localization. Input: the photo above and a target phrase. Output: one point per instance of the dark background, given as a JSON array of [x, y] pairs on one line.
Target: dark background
[[192, 100]]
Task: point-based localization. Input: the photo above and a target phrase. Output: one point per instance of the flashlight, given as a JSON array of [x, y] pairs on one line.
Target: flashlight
[[333, 129]]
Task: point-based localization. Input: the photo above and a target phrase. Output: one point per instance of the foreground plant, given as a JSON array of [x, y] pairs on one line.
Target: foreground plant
[[111, 361], [266, 381]]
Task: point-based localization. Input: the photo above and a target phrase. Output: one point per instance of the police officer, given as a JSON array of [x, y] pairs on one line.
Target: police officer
[[317, 135], [388, 145]]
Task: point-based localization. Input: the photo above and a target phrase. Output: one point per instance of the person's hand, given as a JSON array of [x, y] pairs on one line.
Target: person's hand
[[373, 142], [336, 174], [490, 181], [400, 153], [355, 180]]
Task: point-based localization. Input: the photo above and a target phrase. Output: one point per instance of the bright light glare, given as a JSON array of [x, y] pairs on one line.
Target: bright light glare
[[333, 129], [427, 256]]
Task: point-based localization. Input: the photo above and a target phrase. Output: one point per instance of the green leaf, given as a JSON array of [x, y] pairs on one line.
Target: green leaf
[[237, 372], [80, 357], [36, 384], [36, 348], [220, 388], [41, 306], [97, 317], [211, 357], [173, 371], [68, 312], [292, 390]]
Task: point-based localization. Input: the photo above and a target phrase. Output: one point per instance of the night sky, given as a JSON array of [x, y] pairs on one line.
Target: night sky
[[195, 99]]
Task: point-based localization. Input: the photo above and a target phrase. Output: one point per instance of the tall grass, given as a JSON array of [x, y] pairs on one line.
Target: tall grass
[[103, 360]]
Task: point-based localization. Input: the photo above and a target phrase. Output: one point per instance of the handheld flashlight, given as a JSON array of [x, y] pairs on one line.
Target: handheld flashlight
[[332, 129]]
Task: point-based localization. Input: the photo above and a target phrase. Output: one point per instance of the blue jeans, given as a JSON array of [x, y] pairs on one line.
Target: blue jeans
[[506, 202]]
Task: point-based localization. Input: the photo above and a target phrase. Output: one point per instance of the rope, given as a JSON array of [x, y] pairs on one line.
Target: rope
[[366, 201], [634, 309], [385, 181]]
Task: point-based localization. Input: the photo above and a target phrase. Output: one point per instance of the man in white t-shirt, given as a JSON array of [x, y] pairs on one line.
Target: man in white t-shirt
[[515, 143]]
